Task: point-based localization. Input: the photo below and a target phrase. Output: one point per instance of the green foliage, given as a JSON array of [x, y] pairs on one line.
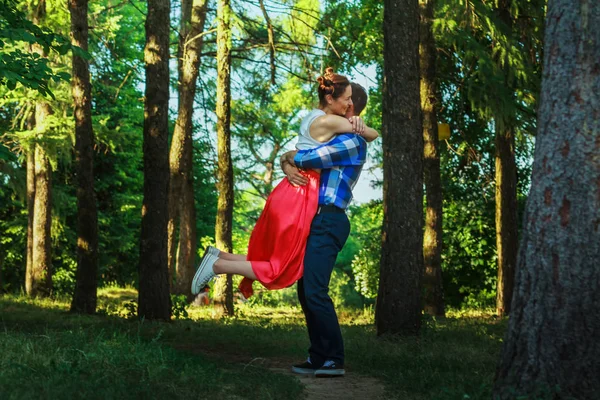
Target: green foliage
[[19, 66], [179, 305], [365, 222]]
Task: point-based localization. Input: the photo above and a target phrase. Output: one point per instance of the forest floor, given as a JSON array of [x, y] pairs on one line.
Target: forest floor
[[50, 353]]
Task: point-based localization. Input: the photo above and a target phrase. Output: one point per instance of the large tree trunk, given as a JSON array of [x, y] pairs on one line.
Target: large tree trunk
[[154, 299], [193, 16], [41, 258], [399, 300], [506, 190], [223, 231], [551, 348], [86, 284], [432, 239]]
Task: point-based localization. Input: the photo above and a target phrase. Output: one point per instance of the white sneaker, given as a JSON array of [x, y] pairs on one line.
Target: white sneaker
[[205, 272], [213, 251]]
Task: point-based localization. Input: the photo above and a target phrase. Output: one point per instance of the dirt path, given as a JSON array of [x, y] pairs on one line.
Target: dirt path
[[351, 387]]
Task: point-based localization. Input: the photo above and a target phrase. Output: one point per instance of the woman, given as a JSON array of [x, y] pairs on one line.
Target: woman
[[278, 241]]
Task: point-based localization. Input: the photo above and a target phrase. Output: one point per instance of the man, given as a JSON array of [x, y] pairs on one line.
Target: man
[[341, 161]]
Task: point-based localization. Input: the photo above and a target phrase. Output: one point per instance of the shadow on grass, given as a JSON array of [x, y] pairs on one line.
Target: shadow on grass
[[48, 352], [452, 357]]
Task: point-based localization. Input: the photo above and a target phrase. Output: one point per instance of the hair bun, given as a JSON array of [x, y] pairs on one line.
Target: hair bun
[[326, 83]]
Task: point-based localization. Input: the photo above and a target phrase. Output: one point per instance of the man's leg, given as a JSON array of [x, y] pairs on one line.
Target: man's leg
[[310, 320], [328, 234]]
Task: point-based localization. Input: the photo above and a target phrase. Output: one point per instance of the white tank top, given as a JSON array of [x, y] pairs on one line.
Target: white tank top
[[305, 141]]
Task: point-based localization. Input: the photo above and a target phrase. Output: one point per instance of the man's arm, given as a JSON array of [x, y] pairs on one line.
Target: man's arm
[[344, 150]]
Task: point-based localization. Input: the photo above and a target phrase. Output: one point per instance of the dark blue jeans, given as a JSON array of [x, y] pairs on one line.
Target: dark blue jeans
[[328, 233]]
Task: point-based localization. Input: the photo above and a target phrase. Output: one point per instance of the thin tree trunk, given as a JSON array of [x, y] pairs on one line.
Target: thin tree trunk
[[223, 231], [506, 216], [506, 192], [154, 300], [398, 307], [551, 347], [41, 259], [2, 257], [41, 273], [187, 240], [193, 16], [86, 284], [30, 210], [432, 239]]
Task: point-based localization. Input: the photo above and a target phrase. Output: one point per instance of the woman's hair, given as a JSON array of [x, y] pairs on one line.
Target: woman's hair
[[331, 83]]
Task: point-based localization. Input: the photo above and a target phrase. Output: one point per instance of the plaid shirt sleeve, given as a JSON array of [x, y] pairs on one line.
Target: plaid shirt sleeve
[[343, 150]]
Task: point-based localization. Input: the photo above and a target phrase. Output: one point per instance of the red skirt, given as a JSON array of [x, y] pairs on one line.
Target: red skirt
[[278, 241]]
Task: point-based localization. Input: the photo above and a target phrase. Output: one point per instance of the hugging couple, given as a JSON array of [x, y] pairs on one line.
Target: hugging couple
[[304, 225]]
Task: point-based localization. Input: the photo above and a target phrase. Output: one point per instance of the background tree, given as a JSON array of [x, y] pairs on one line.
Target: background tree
[[154, 300], [433, 299], [399, 300], [224, 224], [506, 170], [182, 211], [40, 271], [84, 297], [550, 348]]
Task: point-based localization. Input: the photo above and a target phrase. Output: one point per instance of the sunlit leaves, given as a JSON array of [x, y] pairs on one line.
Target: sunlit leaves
[[23, 67]]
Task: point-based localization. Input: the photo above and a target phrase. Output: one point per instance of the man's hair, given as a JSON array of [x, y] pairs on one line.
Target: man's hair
[[359, 98]]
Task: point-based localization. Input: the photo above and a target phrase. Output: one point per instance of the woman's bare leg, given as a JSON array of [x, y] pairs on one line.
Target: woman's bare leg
[[223, 255], [224, 266]]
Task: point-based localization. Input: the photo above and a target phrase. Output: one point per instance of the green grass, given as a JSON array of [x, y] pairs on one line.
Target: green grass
[[50, 353]]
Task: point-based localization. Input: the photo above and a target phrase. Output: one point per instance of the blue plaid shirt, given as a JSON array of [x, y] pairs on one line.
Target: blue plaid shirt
[[341, 160]]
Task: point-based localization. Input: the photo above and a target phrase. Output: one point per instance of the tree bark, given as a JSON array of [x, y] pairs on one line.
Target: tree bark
[[187, 239], [551, 347], [41, 258], [154, 300], [86, 284], [398, 307], [193, 16], [41, 273], [506, 190], [432, 239], [223, 231], [30, 210]]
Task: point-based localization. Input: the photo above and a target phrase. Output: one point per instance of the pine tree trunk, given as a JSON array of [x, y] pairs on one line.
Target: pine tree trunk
[[506, 191], [223, 231], [551, 348], [86, 284], [41, 273], [30, 221], [506, 216], [193, 16], [432, 239], [399, 300], [154, 299], [187, 240]]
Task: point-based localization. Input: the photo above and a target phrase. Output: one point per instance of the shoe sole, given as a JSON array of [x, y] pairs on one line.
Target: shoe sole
[[195, 289], [334, 373], [303, 371]]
